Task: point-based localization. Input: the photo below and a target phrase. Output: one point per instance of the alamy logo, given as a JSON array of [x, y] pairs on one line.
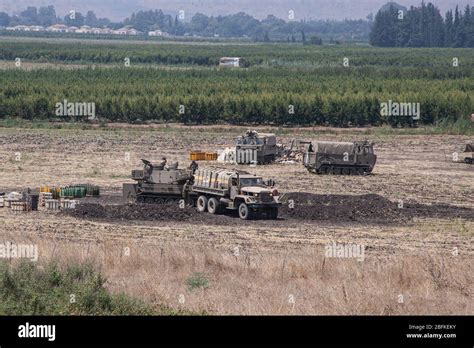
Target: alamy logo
[[11, 250], [400, 109], [37, 331], [334, 250], [66, 108]]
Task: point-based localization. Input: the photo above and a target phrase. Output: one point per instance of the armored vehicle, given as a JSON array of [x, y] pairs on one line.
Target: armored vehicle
[[256, 148], [344, 158], [157, 183], [220, 189], [469, 154]]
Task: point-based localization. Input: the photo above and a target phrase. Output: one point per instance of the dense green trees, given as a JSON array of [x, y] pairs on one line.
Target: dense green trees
[[311, 79], [321, 96], [422, 26]]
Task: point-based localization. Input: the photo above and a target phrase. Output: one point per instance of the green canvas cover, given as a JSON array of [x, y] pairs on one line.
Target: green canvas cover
[[333, 148]]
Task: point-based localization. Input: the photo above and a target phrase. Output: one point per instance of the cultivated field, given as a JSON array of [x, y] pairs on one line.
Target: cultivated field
[[418, 258]]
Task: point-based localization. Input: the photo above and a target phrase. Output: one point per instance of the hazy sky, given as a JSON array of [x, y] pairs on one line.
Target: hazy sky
[[320, 9]]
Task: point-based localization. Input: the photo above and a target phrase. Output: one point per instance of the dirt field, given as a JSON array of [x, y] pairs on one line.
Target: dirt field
[[418, 258]]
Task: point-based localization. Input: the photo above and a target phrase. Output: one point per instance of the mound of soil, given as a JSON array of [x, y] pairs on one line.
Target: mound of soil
[[365, 208], [297, 206], [374, 208], [140, 212]]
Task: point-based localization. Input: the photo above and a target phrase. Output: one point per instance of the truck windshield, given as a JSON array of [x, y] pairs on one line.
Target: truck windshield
[[251, 181]]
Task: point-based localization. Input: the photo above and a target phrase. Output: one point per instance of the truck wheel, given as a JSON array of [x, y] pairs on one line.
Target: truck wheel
[[244, 211], [346, 171], [201, 204], [213, 206]]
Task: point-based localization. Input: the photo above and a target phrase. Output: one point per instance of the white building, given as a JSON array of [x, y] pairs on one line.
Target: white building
[[230, 62], [36, 28], [85, 29], [157, 33], [58, 28]]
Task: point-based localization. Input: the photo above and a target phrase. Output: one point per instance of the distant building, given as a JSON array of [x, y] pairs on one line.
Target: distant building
[[157, 33], [19, 28], [230, 62], [58, 28], [36, 28]]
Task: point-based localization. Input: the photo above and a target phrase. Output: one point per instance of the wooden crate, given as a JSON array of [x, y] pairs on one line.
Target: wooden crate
[[211, 156], [18, 207], [197, 156], [52, 204]]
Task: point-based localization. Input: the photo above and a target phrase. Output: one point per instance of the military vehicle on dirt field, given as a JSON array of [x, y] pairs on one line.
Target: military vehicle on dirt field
[[469, 154], [256, 148], [157, 183], [220, 189], [344, 158]]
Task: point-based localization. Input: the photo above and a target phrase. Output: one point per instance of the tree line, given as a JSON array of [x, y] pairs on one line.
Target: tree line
[[324, 96], [423, 26], [239, 25]]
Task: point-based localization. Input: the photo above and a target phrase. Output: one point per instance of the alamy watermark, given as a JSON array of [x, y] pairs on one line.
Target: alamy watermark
[[10, 250], [354, 251], [66, 108], [400, 109]]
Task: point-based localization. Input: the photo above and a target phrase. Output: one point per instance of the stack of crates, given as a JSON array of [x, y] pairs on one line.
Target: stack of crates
[[18, 207], [211, 156], [55, 192], [203, 156], [43, 196], [197, 156], [52, 204], [68, 204]]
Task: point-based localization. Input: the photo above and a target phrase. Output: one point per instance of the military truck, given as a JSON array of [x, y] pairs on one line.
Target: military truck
[[469, 154], [344, 158], [157, 183], [220, 189], [256, 148]]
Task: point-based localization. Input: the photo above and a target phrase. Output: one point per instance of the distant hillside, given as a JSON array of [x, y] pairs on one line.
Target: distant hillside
[[303, 9]]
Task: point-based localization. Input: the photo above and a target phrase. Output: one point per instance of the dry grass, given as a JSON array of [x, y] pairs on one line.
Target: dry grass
[[267, 283]]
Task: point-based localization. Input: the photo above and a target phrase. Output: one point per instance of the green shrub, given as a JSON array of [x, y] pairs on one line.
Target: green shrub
[[78, 289]]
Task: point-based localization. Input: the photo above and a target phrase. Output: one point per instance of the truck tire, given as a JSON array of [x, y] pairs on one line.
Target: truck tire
[[244, 212], [213, 206], [202, 204]]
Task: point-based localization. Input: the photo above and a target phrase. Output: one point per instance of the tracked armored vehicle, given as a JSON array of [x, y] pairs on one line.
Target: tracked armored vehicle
[[256, 148], [338, 158], [157, 183], [220, 189], [469, 154]]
